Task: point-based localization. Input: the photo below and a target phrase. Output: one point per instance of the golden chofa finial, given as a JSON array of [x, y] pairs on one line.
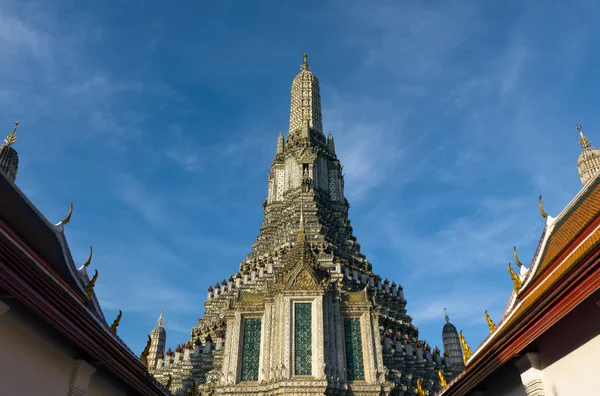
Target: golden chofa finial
[[113, 327], [585, 143], [542, 211], [304, 65], [465, 348], [516, 280], [420, 390], [89, 260], [490, 322], [68, 218], [516, 257], [89, 289], [168, 385], [443, 382], [12, 137], [146, 352]]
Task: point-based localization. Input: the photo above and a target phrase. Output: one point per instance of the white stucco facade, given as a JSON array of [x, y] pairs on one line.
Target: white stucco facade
[[36, 360]]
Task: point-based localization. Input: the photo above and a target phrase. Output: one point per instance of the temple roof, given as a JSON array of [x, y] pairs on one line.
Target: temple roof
[[567, 253], [36, 269]]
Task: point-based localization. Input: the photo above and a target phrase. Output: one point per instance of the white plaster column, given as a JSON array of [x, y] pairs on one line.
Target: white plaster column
[[340, 343], [531, 375], [287, 356], [378, 348], [318, 341], [265, 344], [231, 348], [80, 378], [368, 348]]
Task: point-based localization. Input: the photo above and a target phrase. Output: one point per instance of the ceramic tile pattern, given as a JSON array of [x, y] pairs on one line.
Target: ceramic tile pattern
[[251, 350], [354, 357], [303, 339]]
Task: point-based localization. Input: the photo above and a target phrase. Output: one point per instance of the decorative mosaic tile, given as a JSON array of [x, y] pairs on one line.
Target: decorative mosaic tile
[[251, 350], [354, 356], [303, 339]]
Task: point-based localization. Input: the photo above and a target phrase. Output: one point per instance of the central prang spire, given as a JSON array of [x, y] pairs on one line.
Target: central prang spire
[[306, 100]]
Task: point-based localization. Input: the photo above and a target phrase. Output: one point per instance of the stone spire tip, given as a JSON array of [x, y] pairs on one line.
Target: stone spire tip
[[160, 318], [446, 316]]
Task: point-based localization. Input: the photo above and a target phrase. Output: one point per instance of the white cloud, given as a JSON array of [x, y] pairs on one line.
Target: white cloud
[[133, 192]]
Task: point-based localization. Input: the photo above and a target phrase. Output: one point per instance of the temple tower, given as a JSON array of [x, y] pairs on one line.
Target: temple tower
[[305, 314], [158, 339], [588, 163], [452, 345], [306, 100], [306, 168], [9, 159]]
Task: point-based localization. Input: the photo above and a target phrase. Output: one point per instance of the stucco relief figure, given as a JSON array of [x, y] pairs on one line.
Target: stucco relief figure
[[306, 181]]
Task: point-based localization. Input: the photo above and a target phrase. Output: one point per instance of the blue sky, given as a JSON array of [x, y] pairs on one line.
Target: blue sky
[[160, 122]]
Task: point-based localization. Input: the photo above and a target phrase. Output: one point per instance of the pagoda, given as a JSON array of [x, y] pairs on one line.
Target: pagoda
[[305, 314]]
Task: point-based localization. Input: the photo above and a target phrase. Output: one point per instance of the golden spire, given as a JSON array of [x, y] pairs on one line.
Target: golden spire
[[465, 347], [585, 143], [490, 322], [90, 287], [160, 318], [113, 327], [542, 211], [516, 257], [12, 137], [304, 65], [516, 281], [443, 382]]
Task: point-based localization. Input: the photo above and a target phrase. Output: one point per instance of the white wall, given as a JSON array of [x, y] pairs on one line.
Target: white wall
[[570, 352], [36, 360]]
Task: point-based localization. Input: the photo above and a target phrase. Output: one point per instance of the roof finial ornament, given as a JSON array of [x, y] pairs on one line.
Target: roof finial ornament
[[12, 137], [89, 260], [89, 289], [160, 318], [113, 327], [443, 382], [68, 218], [420, 390], [542, 211], [489, 321], [146, 352], [304, 66], [516, 280], [446, 316], [465, 347], [585, 143], [516, 257]]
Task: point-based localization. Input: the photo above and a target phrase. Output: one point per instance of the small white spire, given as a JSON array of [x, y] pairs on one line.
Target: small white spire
[[280, 143], [160, 318]]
